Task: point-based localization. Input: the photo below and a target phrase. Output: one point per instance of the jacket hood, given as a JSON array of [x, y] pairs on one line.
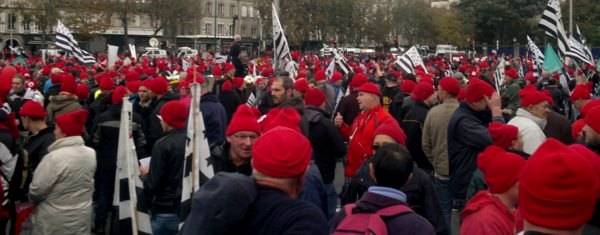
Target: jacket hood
[[59, 102], [66, 142]]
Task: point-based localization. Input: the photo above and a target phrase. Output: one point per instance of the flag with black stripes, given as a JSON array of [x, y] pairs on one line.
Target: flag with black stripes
[[196, 167], [553, 26], [251, 100], [341, 62], [579, 37], [330, 69], [280, 44], [132, 217], [578, 49], [66, 41], [499, 75], [410, 60], [535, 50]]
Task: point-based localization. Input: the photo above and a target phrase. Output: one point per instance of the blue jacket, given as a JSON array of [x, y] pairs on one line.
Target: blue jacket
[[215, 118]]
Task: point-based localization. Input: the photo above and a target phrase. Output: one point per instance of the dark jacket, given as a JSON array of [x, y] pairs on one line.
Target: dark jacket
[[215, 118], [221, 161], [327, 142], [413, 127], [234, 204], [36, 147], [408, 223], [153, 128], [467, 137], [558, 127], [230, 101], [348, 108], [422, 198], [162, 185]]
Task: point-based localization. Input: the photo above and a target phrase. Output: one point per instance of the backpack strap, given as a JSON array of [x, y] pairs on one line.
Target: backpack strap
[[392, 211]]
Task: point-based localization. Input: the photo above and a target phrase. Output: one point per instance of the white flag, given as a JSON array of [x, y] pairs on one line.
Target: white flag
[[112, 55]]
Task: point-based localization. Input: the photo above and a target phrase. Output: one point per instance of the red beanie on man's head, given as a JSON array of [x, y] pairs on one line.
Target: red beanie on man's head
[[118, 94], [281, 153], [314, 97], [71, 124], [68, 84], [174, 113], [391, 129], [500, 169], [32, 109], [581, 92], [422, 92], [450, 85], [531, 96], [370, 88], [245, 118], [502, 134], [477, 90]]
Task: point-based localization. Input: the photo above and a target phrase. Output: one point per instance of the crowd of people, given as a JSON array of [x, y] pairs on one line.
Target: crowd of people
[[431, 152]]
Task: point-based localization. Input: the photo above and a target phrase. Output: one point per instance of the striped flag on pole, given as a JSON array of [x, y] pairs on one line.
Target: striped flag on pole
[[535, 50], [280, 44], [552, 24], [132, 218], [499, 75], [66, 41], [251, 100], [579, 37], [330, 69], [409, 60], [196, 168], [341, 62]]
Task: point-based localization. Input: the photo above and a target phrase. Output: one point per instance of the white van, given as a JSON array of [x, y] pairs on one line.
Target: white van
[[186, 52], [153, 52]]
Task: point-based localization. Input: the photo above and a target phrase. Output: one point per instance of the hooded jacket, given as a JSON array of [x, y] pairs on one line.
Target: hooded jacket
[[61, 104]]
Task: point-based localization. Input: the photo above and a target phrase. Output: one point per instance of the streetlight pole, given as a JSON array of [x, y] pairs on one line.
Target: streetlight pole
[[215, 32]]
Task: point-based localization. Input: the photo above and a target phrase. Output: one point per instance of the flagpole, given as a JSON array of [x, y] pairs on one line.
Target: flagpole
[[571, 17]]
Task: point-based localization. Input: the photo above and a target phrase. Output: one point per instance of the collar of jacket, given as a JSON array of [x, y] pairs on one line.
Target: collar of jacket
[[66, 142], [526, 114]]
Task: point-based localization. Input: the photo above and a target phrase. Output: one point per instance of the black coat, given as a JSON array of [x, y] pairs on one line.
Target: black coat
[[327, 142], [230, 101], [467, 137], [153, 129], [215, 119], [413, 127], [162, 185], [35, 148], [348, 108], [423, 199], [221, 161]]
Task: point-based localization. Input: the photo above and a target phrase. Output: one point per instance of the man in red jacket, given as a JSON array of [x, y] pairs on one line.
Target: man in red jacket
[[362, 132]]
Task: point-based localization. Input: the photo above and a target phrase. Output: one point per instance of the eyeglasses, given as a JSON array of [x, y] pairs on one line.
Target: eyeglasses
[[240, 136]]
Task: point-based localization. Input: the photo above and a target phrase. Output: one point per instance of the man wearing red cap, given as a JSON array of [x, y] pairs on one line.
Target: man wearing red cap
[[242, 132], [103, 140], [580, 95], [390, 88], [468, 135], [348, 106], [591, 129], [63, 182], [268, 202], [492, 211], [159, 91], [162, 180], [510, 92], [424, 97], [531, 118], [360, 134], [282, 88], [435, 139], [39, 137], [557, 173]]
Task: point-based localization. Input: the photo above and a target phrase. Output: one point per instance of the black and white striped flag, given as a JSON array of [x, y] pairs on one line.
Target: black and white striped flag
[[330, 69], [535, 50], [578, 51], [552, 24], [499, 75], [132, 218], [280, 44], [409, 60], [66, 41], [341, 62], [251, 100], [579, 36], [196, 167]]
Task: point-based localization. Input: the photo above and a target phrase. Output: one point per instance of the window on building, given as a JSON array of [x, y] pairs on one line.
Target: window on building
[[250, 12], [208, 28], [26, 24], [220, 28], [221, 9], [12, 21], [244, 11], [254, 32], [209, 8], [243, 30], [232, 10], [231, 30]]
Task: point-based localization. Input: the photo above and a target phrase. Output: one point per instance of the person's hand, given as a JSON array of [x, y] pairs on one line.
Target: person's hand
[[144, 169], [494, 104], [339, 120]]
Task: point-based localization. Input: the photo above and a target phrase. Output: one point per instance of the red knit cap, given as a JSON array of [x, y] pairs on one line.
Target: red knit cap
[[370, 88], [228, 67], [82, 91], [238, 82], [68, 84], [32, 109], [118, 94], [358, 80], [159, 85], [557, 188], [511, 73], [314, 97], [174, 113], [391, 128], [106, 84], [501, 169], [287, 117], [320, 76], [530, 76], [71, 124], [301, 85], [502, 134], [133, 86], [580, 92], [422, 91], [336, 76], [245, 118], [477, 90], [132, 75], [450, 85], [531, 96], [592, 119], [592, 157], [227, 86], [589, 106], [281, 153], [407, 86], [577, 127]]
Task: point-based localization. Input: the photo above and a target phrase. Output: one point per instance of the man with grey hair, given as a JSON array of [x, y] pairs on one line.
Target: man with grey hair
[[234, 56]]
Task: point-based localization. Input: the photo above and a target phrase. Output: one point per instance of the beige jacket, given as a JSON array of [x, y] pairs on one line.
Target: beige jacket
[[62, 188], [435, 136], [61, 104]]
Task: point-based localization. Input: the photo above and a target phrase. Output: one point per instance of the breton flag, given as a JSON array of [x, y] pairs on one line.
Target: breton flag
[[66, 41], [341, 62], [281, 48], [409, 60], [251, 100], [579, 37], [330, 69], [499, 75], [133, 218], [578, 48], [552, 24], [196, 168], [535, 50]]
